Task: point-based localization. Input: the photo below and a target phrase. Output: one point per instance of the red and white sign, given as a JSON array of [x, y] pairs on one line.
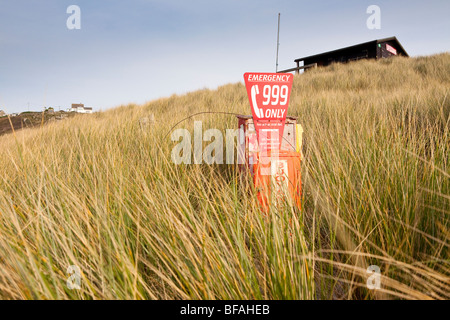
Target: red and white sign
[[269, 95], [391, 49]]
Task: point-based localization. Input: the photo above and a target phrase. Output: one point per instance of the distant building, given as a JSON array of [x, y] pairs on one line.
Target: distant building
[[2, 113], [376, 49], [80, 108]]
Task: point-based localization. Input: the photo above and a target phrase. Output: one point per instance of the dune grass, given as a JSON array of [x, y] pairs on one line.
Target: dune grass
[[101, 192]]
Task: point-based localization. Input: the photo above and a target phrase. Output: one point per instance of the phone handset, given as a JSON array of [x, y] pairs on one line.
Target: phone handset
[[254, 92]]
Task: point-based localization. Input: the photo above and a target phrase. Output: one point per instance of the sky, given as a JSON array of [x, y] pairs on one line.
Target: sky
[[136, 51]]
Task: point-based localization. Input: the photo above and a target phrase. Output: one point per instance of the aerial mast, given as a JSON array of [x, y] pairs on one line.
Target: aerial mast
[[278, 41]]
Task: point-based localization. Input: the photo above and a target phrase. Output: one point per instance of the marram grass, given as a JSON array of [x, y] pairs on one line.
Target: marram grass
[[101, 192]]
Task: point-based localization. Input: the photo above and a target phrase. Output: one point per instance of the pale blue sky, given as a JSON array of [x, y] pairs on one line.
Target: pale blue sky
[[140, 50]]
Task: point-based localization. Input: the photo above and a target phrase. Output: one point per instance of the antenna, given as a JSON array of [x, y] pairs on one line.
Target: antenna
[[278, 40]]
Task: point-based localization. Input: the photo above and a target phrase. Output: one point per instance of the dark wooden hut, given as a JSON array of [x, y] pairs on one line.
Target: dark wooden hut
[[376, 49]]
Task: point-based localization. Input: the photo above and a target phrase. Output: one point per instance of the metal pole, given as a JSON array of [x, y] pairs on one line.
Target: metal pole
[[278, 41]]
